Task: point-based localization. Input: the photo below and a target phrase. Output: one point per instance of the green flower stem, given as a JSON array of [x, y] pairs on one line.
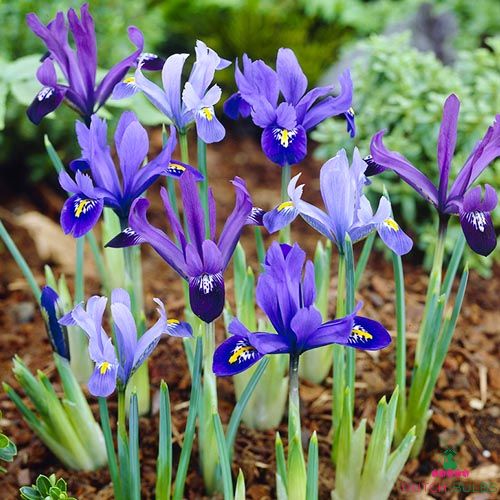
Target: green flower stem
[[339, 371], [135, 466], [183, 141], [23, 266], [293, 399], [98, 259], [349, 299], [400, 342], [208, 442], [110, 448], [286, 173], [259, 244], [202, 167], [434, 286], [123, 445], [79, 282], [187, 444]]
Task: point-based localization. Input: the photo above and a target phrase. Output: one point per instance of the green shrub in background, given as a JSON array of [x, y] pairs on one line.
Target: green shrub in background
[[21, 147], [403, 90]]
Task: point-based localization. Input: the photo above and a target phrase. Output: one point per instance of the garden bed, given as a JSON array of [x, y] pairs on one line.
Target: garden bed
[[465, 405]]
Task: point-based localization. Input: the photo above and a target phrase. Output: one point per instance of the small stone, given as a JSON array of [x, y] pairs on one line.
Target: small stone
[[476, 404]]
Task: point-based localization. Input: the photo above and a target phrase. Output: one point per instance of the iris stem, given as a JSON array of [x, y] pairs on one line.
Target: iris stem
[[202, 166], [293, 399], [286, 173], [79, 283], [338, 360], [259, 244], [170, 182], [110, 448], [20, 261], [183, 141], [349, 308], [434, 286], [123, 445]]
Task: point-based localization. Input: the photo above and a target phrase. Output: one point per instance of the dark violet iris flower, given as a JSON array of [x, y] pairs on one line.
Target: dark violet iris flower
[[119, 364], [284, 138], [348, 210], [286, 292], [473, 210], [104, 186], [78, 67], [199, 260], [184, 105], [51, 312]]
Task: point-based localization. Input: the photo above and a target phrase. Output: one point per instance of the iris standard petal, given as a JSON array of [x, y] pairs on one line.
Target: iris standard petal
[[446, 144], [306, 321], [291, 78], [236, 106], [132, 149], [397, 162], [233, 356], [193, 210], [155, 237], [125, 334], [235, 222], [207, 296], [79, 214], [119, 70], [394, 237], [284, 146]]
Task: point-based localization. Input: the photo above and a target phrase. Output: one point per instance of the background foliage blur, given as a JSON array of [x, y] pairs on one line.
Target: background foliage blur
[[397, 86]]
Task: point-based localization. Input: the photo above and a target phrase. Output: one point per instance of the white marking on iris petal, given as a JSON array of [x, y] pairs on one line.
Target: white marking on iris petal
[[206, 284], [242, 352], [350, 112], [359, 334], [45, 93], [284, 136], [477, 219]]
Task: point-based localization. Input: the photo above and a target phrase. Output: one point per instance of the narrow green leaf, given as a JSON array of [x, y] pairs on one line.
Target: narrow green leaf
[[240, 492], [281, 470], [297, 478], [238, 410], [133, 432], [225, 465], [54, 157], [164, 460], [312, 468], [180, 478], [363, 259]]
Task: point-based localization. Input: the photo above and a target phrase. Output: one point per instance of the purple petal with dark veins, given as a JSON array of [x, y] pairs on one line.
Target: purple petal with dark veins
[[234, 356], [46, 101], [283, 146], [79, 214], [207, 296]]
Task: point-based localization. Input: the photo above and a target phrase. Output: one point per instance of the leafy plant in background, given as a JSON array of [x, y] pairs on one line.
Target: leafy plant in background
[[402, 90], [46, 488], [8, 449]]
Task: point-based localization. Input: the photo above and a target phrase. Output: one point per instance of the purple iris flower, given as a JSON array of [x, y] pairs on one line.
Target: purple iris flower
[[198, 259], [51, 311], [286, 292], [118, 364], [473, 210], [348, 210], [184, 105], [78, 67], [284, 138], [105, 187]]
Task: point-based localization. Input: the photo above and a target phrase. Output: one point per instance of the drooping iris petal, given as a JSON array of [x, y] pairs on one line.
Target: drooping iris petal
[[79, 165], [207, 295], [284, 146], [124, 89], [235, 106], [176, 169], [281, 216], [208, 126], [270, 343], [150, 62], [46, 101], [367, 334], [48, 304], [394, 237], [102, 382], [479, 231], [351, 124], [233, 356], [177, 328], [256, 217], [372, 168], [79, 214], [127, 238]]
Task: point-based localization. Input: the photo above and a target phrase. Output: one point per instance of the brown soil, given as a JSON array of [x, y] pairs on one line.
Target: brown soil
[[469, 380]]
